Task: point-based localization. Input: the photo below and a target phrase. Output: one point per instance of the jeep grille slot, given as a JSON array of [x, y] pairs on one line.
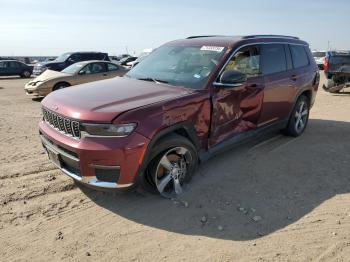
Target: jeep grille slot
[[64, 125]]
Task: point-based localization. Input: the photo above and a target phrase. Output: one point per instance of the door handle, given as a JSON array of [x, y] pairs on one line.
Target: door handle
[[294, 77]]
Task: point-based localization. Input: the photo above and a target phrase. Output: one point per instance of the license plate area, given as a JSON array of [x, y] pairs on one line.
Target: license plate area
[[54, 156]]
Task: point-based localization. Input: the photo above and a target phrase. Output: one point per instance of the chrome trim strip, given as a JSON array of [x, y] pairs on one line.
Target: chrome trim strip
[[84, 134], [104, 166], [231, 85]]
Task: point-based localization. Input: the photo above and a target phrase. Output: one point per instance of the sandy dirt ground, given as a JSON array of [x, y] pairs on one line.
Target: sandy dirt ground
[[274, 199]]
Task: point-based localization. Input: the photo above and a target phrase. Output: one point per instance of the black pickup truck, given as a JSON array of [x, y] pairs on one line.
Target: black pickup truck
[[337, 71]]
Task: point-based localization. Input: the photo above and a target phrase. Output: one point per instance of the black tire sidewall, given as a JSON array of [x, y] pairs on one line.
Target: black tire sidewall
[[60, 86]]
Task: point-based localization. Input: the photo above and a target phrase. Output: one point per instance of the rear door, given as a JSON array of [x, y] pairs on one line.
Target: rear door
[[237, 109], [114, 70], [91, 72], [279, 83], [15, 68]]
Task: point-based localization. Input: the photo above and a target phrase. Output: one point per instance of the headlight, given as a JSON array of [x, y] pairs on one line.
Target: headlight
[[38, 83], [121, 130]]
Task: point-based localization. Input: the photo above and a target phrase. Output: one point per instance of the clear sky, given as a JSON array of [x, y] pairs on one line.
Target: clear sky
[[51, 27]]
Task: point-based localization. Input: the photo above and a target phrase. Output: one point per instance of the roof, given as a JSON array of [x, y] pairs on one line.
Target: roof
[[94, 61], [229, 41]]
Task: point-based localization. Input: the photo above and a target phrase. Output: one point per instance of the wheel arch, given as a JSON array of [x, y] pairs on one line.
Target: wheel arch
[[60, 82], [185, 129]]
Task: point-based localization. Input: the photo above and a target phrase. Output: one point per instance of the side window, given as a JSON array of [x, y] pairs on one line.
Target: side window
[[273, 59], [76, 58], [112, 67], [2, 65], [93, 68], [14, 64], [299, 56], [246, 61]]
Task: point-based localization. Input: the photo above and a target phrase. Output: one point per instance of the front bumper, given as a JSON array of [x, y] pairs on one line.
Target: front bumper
[[31, 90], [100, 163]]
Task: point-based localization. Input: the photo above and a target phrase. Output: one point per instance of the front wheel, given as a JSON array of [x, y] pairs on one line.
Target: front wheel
[[174, 164], [60, 86], [299, 117], [26, 74]]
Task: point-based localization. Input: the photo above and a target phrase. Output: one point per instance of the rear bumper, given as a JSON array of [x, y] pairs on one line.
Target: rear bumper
[[100, 163]]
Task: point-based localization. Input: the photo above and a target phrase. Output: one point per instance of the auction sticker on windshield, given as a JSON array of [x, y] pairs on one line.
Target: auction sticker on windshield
[[212, 48]]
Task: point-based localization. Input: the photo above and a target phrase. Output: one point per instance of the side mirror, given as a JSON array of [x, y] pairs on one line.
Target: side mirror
[[71, 60], [231, 78], [82, 73]]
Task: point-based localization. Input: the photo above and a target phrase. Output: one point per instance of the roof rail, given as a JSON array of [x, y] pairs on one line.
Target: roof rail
[[199, 36], [269, 36]]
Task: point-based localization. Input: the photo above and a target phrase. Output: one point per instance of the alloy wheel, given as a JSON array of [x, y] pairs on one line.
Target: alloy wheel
[[301, 115], [171, 171]]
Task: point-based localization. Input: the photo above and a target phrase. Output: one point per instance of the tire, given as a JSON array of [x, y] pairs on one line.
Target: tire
[[60, 86], [174, 160], [299, 117], [26, 74]]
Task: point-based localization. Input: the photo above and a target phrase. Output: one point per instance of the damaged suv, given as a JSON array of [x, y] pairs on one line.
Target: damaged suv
[[189, 99]]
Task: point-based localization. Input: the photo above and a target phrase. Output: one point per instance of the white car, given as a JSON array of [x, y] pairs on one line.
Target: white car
[[319, 57]]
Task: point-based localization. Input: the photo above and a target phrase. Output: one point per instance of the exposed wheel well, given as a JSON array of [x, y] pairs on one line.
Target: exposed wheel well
[[308, 94], [60, 83]]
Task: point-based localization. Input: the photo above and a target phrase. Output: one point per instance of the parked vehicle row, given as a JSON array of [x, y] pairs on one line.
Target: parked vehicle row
[[78, 73], [68, 59], [188, 100]]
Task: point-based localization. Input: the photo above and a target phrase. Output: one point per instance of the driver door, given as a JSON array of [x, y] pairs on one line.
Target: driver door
[[237, 109]]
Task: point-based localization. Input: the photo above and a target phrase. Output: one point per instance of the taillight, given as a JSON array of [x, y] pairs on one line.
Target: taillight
[[326, 64]]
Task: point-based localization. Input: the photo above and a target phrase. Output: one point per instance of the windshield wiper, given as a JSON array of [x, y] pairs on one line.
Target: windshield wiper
[[150, 79]]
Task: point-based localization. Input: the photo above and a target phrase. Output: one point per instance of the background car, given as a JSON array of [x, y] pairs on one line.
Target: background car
[[68, 59], [78, 73], [142, 56], [319, 58], [126, 60], [337, 70], [14, 68]]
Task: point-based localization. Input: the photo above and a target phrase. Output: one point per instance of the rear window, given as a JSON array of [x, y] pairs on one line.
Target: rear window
[[299, 56], [273, 59], [340, 59]]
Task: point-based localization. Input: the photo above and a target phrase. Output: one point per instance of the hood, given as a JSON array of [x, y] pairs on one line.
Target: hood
[[48, 75], [104, 100]]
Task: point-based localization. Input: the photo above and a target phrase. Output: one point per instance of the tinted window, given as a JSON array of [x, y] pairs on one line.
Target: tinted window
[[2, 65], [14, 64], [299, 56], [273, 59], [340, 59], [246, 61], [76, 57], [112, 67]]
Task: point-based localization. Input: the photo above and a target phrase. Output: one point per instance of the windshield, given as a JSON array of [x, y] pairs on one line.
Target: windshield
[[319, 54], [73, 69], [188, 66], [62, 57]]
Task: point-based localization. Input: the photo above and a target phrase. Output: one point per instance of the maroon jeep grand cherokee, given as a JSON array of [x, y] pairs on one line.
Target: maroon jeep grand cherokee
[[189, 99]]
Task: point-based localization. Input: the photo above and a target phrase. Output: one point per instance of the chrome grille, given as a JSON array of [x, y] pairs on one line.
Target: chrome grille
[[64, 125]]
